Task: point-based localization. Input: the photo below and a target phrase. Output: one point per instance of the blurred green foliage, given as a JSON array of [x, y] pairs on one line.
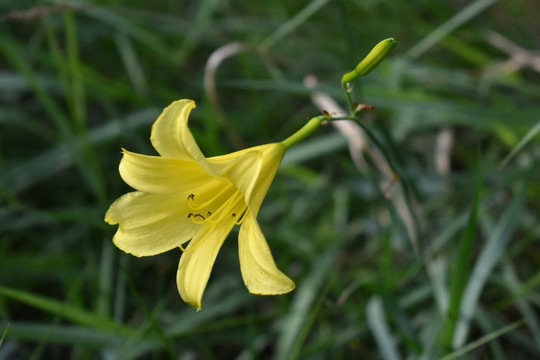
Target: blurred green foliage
[[81, 79]]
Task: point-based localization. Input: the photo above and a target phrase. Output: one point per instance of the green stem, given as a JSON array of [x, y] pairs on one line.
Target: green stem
[[348, 96], [304, 132], [380, 146], [315, 122], [299, 135]]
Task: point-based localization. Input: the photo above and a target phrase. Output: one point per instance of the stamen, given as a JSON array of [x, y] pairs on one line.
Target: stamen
[[227, 207], [191, 198], [226, 202], [194, 218], [242, 217]]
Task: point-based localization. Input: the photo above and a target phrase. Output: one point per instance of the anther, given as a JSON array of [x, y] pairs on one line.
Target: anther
[[191, 196], [196, 218], [199, 215], [241, 219]]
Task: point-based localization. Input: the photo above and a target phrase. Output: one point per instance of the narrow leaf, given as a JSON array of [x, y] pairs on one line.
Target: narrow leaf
[[65, 310], [460, 275]]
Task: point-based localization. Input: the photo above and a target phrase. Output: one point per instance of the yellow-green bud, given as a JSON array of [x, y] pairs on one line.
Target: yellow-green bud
[[370, 62]]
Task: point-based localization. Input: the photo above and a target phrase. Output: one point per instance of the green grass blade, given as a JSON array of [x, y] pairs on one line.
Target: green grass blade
[[205, 12], [466, 14], [57, 59], [439, 279], [306, 296], [483, 340], [44, 165], [524, 289], [460, 275], [4, 334], [524, 141], [86, 160], [292, 24], [15, 55], [512, 281], [65, 310], [310, 319], [106, 278], [77, 94], [64, 334], [489, 323], [380, 329], [487, 260], [127, 26], [429, 337], [132, 63]]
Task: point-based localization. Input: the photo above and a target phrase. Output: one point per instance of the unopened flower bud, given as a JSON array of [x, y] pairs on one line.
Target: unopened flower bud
[[371, 61]]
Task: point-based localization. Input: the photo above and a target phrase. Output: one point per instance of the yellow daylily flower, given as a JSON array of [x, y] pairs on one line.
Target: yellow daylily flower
[[184, 196]]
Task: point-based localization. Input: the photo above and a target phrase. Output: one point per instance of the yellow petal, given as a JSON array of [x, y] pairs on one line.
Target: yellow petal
[[170, 134], [242, 170], [251, 171], [272, 156], [155, 174], [172, 138], [259, 270], [197, 261], [150, 223]]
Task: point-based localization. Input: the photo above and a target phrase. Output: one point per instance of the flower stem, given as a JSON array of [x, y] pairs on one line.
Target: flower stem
[[346, 90], [304, 132]]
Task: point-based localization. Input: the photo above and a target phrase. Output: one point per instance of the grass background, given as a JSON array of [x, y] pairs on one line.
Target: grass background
[[81, 79]]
